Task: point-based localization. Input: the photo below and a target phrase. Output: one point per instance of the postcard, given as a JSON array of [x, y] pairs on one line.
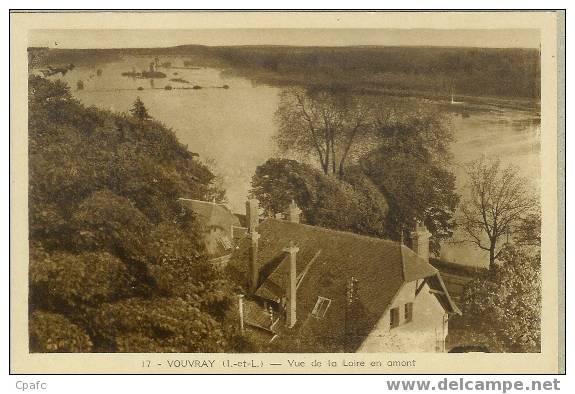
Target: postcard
[[286, 192]]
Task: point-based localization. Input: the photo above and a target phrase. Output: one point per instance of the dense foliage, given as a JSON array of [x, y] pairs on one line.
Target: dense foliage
[[115, 264], [411, 167], [507, 301], [351, 204], [52, 332], [470, 71], [401, 146]]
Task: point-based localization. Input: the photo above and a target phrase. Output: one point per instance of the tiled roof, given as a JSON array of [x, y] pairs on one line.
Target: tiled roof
[[379, 266], [212, 214], [414, 267]]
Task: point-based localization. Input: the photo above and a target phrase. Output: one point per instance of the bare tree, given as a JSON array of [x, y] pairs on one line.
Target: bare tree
[[499, 200], [326, 123]]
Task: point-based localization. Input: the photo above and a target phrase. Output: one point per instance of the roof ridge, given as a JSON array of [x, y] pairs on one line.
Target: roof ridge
[[330, 230], [402, 262], [212, 203], [404, 251]]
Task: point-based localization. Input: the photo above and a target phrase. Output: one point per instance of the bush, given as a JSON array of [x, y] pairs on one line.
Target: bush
[[158, 325], [508, 300], [52, 332]]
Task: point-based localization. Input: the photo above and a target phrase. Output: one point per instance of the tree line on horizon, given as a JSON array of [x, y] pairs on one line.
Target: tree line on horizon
[[502, 72]]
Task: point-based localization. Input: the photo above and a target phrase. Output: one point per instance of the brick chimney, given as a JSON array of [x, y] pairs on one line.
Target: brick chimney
[[293, 212], [252, 214], [420, 241], [291, 285], [254, 268], [252, 218]]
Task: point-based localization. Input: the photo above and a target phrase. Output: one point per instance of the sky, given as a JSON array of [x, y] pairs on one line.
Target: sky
[[488, 38]]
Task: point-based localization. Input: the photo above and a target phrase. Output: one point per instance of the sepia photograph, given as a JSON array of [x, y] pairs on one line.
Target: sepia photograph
[[272, 190]]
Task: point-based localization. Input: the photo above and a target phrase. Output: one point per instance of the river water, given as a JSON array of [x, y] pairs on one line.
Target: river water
[[231, 129]]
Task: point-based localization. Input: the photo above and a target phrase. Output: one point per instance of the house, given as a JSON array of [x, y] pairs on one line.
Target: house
[[311, 289], [220, 226]]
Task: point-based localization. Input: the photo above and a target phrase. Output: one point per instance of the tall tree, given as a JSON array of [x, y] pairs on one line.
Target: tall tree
[[325, 123], [411, 168], [499, 200], [351, 204]]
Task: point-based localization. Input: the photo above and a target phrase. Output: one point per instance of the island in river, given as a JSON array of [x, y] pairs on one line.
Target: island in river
[[152, 72]]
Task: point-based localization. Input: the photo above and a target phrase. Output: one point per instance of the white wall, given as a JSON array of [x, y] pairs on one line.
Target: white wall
[[419, 335]]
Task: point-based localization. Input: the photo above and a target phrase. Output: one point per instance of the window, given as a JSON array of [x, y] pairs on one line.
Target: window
[[320, 307], [394, 317], [408, 312]]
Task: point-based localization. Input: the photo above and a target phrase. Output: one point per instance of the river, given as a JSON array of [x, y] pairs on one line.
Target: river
[[231, 129]]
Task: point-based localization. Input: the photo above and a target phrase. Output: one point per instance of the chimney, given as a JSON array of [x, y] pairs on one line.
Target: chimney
[[252, 214], [291, 285], [420, 241], [293, 212], [241, 311], [252, 218], [254, 271]]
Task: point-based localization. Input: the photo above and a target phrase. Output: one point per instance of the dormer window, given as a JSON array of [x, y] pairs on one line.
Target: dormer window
[[320, 307]]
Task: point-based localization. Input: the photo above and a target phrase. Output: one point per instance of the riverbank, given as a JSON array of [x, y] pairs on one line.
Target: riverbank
[[464, 102]]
